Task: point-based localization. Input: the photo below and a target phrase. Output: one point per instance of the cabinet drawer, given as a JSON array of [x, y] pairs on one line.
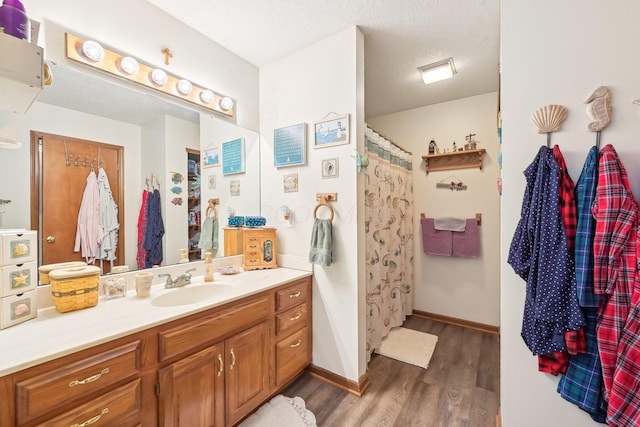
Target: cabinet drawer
[[292, 355], [209, 329], [292, 319], [292, 295], [105, 410], [43, 393]]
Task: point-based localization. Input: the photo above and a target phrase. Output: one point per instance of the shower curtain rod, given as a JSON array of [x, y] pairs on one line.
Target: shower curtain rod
[[390, 141]]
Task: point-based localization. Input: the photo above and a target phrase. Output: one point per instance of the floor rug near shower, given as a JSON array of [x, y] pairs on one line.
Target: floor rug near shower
[[409, 346], [281, 411]]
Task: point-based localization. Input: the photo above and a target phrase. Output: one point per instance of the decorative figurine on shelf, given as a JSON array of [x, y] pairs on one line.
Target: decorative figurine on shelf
[[454, 147], [471, 144], [432, 147]]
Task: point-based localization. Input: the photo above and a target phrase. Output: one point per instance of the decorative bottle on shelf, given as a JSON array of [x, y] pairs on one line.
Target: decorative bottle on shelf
[[208, 268], [13, 19]]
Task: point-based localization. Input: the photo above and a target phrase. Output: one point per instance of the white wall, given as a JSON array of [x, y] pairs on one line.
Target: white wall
[[557, 53], [464, 288], [305, 87]]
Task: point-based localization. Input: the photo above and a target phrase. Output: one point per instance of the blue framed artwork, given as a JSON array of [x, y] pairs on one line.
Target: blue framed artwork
[[233, 157], [289, 145]]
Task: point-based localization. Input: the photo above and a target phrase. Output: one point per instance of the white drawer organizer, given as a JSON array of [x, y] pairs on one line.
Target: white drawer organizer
[[18, 276]]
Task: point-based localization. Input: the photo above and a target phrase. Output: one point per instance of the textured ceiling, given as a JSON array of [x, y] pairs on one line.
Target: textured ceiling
[[400, 36]]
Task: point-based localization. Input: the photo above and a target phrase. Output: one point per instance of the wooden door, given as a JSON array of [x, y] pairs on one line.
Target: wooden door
[[192, 390], [247, 372], [60, 167]]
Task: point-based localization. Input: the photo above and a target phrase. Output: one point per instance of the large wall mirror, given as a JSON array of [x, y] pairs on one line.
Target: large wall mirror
[[154, 136]]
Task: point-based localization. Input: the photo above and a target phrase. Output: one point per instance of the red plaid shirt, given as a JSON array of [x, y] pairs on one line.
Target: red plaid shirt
[[557, 363], [614, 246]]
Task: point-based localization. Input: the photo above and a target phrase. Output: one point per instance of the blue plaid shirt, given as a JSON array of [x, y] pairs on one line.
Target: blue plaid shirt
[[582, 383]]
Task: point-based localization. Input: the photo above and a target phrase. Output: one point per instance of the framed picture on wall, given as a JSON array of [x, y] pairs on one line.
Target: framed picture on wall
[[210, 157], [330, 168], [331, 131], [233, 157], [289, 145]]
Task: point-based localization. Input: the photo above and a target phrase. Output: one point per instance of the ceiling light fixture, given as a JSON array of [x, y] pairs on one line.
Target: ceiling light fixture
[[437, 71]]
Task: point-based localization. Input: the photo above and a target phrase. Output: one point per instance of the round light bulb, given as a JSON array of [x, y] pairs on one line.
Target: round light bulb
[[184, 87], [206, 96], [159, 77], [93, 51], [129, 65], [226, 103]]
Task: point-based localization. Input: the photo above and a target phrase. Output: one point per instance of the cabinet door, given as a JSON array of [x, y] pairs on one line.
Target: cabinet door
[[247, 371], [192, 390]]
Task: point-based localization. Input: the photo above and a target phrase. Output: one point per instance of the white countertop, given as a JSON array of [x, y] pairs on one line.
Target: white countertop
[[53, 334]]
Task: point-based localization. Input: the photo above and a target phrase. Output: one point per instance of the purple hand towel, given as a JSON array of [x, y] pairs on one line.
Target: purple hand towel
[[435, 242], [467, 242]]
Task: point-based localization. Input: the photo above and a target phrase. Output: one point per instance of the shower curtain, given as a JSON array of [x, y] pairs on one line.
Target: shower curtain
[[388, 237]]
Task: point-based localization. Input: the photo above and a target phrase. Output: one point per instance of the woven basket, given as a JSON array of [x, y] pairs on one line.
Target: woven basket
[[75, 288], [48, 268]]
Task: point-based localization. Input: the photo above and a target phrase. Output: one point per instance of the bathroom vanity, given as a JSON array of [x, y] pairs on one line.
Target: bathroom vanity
[[204, 354]]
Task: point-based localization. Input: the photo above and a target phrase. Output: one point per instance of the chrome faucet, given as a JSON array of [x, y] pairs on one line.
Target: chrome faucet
[[181, 280]]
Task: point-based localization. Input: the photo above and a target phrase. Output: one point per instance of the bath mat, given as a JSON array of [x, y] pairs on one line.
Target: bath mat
[[281, 411], [408, 346]]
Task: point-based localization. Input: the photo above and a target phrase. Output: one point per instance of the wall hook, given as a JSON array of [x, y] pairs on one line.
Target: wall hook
[[361, 161]]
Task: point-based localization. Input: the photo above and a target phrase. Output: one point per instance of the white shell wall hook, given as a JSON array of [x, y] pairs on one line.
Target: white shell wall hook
[[549, 118], [599, 109]]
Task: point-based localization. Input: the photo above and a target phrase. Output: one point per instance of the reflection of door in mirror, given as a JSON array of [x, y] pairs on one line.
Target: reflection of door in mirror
[[60, 168]]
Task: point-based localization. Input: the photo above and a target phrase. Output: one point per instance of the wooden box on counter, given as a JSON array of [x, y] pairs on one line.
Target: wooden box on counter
[[258, 244]]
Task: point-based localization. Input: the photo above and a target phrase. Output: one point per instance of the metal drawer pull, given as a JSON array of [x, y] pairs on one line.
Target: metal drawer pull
[[233, 359], [296, 317], [92, 420], [221, 365], [296, 295], [90, 379], [296, 344]]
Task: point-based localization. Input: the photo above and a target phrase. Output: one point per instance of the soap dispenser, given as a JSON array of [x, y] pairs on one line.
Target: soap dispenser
[[208, 267]]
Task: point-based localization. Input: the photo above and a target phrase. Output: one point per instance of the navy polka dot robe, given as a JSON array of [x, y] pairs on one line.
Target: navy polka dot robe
[[540, 255]]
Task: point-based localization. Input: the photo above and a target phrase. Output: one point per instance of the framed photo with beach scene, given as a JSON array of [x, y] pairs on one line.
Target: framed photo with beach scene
[[211, 157], [331, 131]]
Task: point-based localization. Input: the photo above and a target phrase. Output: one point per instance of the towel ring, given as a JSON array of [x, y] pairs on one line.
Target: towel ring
[[323, 203], [212, 207]]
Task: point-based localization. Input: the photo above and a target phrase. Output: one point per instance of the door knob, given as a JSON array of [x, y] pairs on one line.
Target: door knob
[[51, 239]]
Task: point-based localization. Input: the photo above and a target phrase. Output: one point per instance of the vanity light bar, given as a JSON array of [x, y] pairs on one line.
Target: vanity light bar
[[145, 75]]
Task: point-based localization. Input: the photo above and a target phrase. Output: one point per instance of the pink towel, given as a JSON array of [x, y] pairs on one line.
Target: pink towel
[[435, 242], [467, 242], [451, 243]]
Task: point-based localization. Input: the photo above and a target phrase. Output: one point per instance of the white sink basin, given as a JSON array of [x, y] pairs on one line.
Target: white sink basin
[[189, 294]]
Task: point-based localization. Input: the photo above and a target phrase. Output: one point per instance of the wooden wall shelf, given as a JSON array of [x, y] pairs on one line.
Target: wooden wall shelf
[[455, 160]]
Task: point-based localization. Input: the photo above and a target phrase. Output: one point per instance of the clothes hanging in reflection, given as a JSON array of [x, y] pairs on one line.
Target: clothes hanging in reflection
[[154, 231], [88, 230], [141, 254], [108, 218]]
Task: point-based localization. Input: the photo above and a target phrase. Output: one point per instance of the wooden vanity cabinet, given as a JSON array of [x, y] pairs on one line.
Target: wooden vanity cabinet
[[293, 330], [230, 375], [103, 385], [211, 368]]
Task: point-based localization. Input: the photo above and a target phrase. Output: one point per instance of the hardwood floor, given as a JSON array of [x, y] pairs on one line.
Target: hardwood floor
[[460, 387]]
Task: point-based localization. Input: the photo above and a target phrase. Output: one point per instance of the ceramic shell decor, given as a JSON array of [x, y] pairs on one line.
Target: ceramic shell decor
[[549, 118], [599, 109]]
